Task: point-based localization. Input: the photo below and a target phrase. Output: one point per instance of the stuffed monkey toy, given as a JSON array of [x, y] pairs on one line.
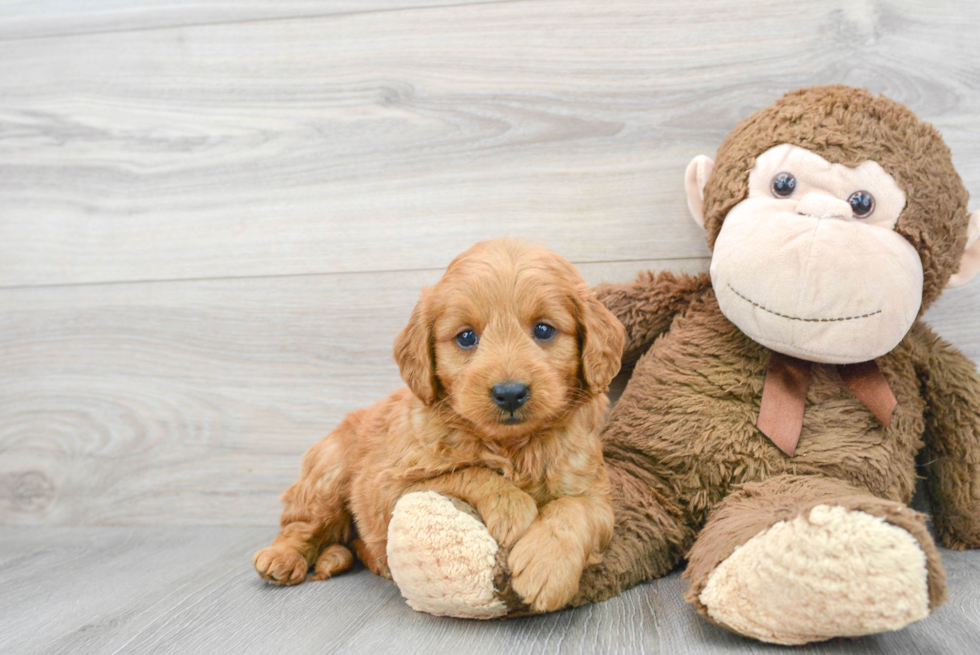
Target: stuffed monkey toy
[[779, 408]]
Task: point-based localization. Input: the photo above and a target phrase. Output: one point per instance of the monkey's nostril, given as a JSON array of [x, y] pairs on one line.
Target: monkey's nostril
[[510, 396]]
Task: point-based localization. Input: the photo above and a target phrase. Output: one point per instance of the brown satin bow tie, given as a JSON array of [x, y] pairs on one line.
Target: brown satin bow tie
[[784, 396]]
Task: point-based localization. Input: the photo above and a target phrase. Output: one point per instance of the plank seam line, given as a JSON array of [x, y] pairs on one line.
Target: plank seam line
[[244, 21], [225, 278]]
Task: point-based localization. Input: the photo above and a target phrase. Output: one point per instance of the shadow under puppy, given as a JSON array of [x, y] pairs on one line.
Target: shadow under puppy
[[507, 359]]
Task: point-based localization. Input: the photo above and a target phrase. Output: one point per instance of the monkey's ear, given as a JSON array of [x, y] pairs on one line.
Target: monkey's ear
[[970, 264], [415, 354], [698, 172]]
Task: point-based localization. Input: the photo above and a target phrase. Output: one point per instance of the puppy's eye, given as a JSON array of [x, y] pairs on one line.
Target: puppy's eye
[[544, 332], [783, 185], [466, 339]]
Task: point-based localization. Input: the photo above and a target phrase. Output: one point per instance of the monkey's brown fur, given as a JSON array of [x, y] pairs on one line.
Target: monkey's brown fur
[[691, 474], [541, 479]]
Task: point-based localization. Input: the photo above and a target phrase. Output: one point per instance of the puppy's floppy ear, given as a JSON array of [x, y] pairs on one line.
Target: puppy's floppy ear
[[415, 353], [602, 338]]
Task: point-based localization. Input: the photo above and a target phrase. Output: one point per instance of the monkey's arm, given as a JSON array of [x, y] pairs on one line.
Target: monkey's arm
[[647, 305], [951, 457]]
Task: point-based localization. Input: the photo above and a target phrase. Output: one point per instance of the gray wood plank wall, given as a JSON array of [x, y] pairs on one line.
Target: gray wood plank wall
[[214, 218], [210, 234]]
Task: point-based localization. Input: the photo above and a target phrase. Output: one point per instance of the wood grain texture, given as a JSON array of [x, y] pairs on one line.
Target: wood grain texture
[[392, 140], [31, 19], [192, 591], [191, 402]]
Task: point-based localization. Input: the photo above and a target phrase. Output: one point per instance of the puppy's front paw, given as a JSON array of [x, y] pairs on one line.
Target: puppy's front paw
[[543, 572], [281, 565], [508, 516]]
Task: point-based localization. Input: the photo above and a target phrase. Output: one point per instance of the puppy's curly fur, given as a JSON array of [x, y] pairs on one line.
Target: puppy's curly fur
[[535, 472]]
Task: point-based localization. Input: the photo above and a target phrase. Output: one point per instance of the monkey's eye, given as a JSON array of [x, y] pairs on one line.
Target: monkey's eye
[[862, 204], [783, 185], [466, 339], [544, 332]]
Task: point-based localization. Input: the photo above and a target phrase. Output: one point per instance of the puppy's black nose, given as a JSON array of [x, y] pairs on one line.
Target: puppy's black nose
[[510, 395]]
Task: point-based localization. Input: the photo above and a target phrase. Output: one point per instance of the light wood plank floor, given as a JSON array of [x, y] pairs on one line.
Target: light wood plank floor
[[78, 591], [215, 217]]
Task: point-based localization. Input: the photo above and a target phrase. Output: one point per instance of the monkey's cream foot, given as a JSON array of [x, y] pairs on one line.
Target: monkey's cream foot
[[832, 572], [443, 558]]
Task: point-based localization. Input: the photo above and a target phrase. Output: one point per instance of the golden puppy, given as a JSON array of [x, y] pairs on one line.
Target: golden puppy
[[507, 359]]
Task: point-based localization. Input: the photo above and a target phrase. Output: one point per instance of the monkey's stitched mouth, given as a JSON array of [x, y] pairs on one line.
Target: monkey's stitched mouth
[[800, 318]]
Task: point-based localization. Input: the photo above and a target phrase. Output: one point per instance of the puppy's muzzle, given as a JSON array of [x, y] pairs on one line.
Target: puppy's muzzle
[[509, 396]]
